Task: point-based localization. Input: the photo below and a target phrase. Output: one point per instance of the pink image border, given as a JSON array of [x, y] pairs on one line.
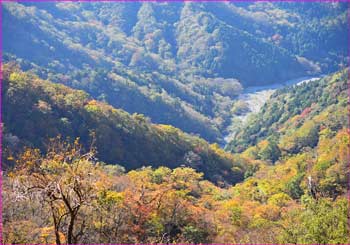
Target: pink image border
[[1, 62]]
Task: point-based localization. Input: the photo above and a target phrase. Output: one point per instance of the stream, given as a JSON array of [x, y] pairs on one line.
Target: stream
[[256, 96]]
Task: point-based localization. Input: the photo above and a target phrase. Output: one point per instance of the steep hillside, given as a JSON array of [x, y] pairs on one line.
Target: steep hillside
[[212, 39], [295, 114], [36, 110], [301, 28], [300, 143], [108, 108], [163, 37], [295, 189], [181, 63]]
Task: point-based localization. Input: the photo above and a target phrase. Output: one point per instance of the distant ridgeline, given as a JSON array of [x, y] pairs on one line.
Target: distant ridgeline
[[181, 64], [35, 110]]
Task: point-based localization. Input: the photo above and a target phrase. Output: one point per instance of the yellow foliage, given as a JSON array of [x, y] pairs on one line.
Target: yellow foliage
[[268, 212], [280, 199], [17, 77]]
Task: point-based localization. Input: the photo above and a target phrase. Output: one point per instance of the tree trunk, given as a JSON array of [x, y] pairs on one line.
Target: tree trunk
[[57, 234], [56, 225], [70, 229]]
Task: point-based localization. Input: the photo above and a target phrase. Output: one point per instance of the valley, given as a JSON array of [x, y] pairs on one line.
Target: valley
[[254, 98], [183, 64], [175, 123]]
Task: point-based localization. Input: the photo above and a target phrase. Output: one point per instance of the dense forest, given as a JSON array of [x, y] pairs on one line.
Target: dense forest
[[181, 64], [115, 119], [36, 110], [293, 178]]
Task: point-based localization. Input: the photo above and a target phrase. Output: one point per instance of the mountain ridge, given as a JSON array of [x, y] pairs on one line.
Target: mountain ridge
[[42, 110], [164, 63]]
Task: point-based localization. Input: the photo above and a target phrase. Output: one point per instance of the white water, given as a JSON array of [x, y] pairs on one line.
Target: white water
[[256, 96]]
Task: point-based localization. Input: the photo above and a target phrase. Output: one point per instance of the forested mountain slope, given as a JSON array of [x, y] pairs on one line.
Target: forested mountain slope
[[302, 137], [178, 63], [295, 187], [294, 115], [35, 110], [103, 102]]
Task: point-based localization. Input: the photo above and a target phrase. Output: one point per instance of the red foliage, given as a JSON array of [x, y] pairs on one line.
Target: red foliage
[[305, 112]]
